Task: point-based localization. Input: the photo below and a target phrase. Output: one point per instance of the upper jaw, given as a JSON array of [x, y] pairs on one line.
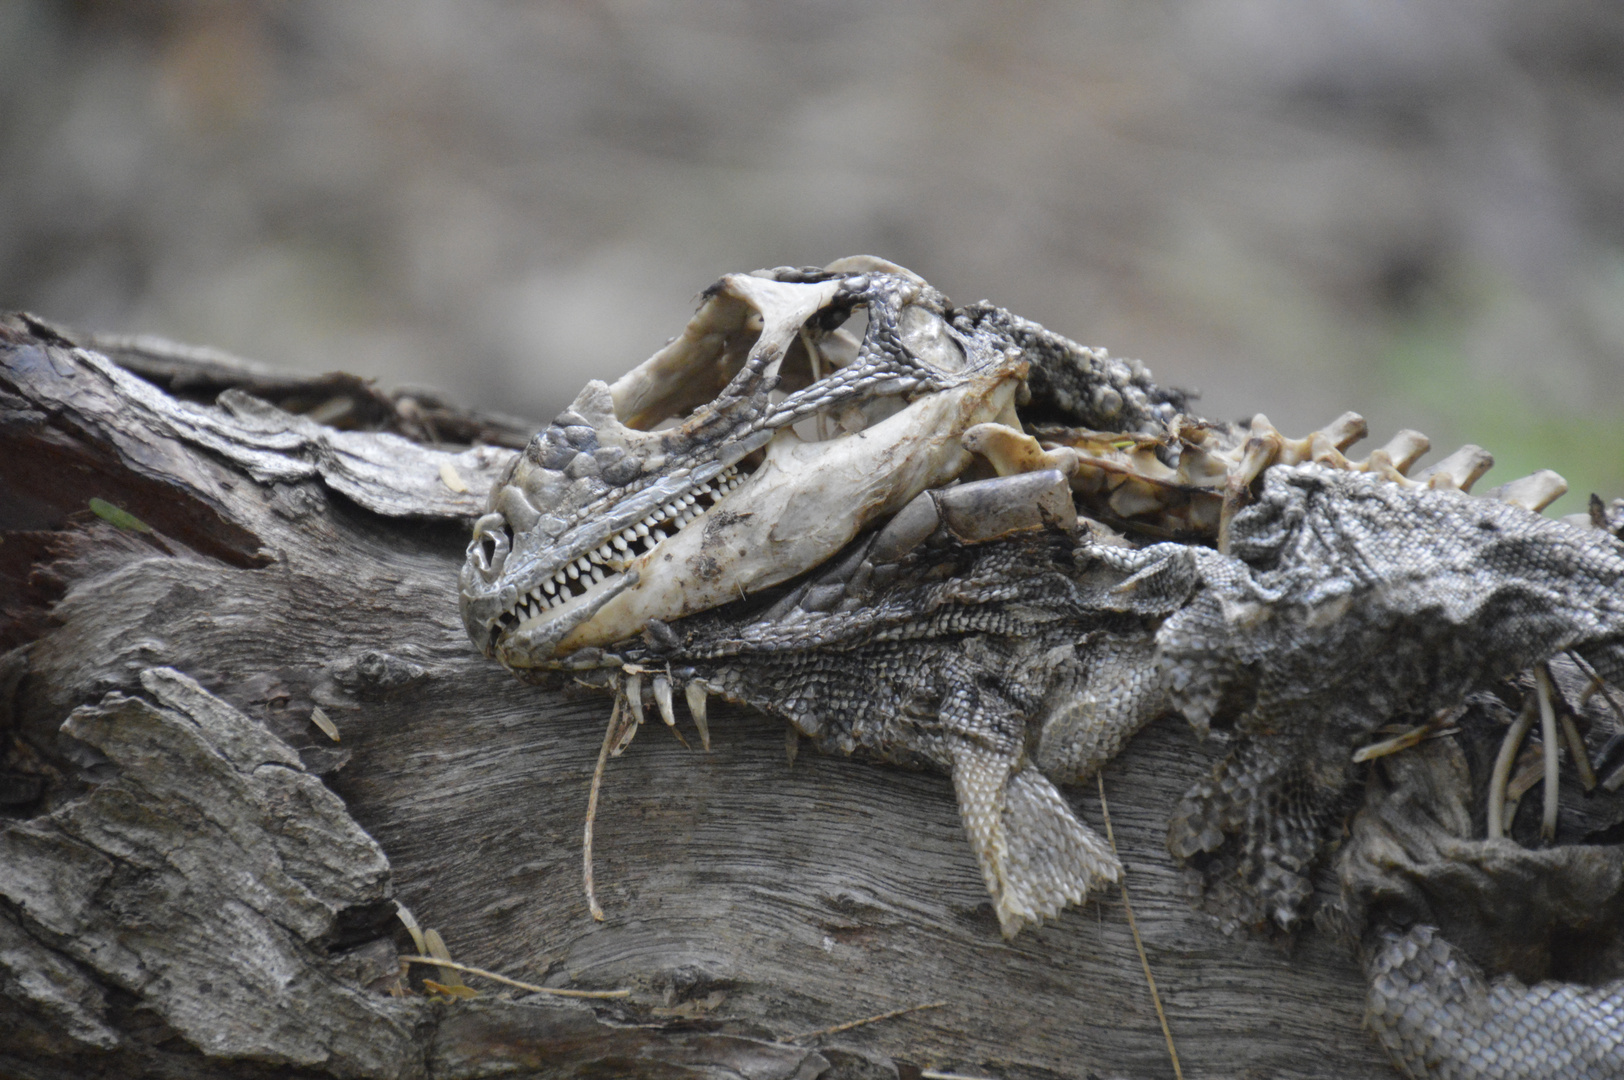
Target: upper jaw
[[597, 473]]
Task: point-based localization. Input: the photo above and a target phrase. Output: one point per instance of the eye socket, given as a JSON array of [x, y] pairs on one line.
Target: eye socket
[[926, 337], [493, 539]]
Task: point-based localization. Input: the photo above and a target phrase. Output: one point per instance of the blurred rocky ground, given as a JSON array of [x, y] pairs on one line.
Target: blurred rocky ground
[[1413, 209]]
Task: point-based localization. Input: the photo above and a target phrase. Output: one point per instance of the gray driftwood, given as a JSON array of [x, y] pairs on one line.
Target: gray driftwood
[[195, 881]]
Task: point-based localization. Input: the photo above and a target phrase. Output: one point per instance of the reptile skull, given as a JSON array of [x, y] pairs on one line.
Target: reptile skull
[[747, 451]]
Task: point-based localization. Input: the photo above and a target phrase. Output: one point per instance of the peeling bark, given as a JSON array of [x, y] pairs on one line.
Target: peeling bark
[[195, 881]]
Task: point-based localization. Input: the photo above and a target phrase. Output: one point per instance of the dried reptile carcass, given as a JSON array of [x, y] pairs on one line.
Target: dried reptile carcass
[[879, 540]]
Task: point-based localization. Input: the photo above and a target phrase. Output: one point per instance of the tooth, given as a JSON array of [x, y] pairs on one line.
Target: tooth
[[634, 695], [696, 705], [652, 520], [594, 557], [688, 499], [659, 536], [620, 544], [549, 586], [572, 570], [671, 510], [607, 551], [642, 527], [597, 575], [662, 698]]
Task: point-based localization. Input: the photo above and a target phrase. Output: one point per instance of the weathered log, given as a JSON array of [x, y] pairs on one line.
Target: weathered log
[[196, 881]]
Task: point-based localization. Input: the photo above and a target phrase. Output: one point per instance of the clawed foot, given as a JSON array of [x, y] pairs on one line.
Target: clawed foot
[[1035, 856]]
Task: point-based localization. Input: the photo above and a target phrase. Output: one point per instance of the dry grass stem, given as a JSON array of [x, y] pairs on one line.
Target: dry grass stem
[[610, 737], [1133, 927], [505, 981], [848, 1025]]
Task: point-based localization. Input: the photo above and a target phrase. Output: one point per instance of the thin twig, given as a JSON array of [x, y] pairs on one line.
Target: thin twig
[[609, 737], [532, 987], [1133, 926], [848, 1025]]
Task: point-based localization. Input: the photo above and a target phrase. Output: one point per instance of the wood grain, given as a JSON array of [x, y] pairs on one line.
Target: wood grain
[[747, 899]]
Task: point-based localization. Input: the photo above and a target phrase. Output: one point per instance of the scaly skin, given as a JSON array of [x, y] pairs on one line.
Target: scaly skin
[[940, 550]]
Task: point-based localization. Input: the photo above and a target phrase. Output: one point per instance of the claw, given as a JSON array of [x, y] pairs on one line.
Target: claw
[[696, 695], [1533, 492]]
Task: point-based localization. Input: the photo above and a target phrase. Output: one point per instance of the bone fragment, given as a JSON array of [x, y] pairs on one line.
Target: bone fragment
[[987, 509], [1533, 492], [1346, 430], [1405, 449], [906, 531], [1459, 470], [1011, 450], [1403, 741]]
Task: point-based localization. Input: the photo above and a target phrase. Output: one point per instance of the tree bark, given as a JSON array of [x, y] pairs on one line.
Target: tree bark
[[195, 881]]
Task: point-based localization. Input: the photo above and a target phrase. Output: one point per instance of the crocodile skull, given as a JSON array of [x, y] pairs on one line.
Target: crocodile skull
[[747, 451]]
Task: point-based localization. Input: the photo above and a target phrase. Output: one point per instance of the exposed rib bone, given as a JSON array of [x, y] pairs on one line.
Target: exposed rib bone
[[1502, 767], [1547, 722], [1581, 756]]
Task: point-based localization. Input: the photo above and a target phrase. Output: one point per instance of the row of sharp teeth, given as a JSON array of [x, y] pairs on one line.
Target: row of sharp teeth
[[592, 568]]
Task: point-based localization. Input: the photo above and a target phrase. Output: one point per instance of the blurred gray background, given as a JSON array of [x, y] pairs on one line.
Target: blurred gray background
[[1413, 209]]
